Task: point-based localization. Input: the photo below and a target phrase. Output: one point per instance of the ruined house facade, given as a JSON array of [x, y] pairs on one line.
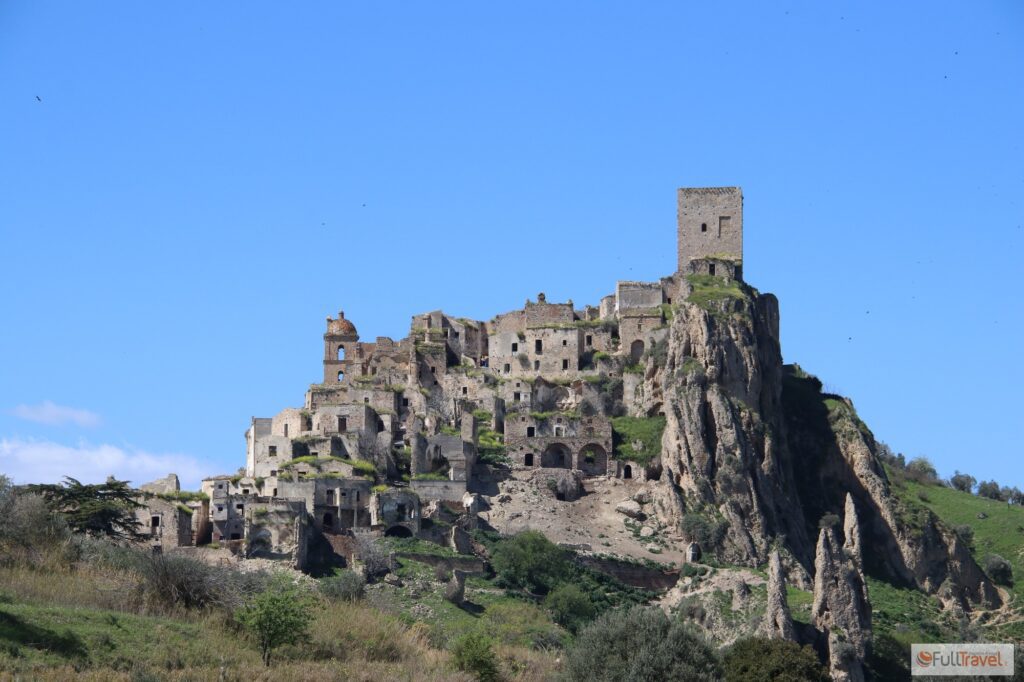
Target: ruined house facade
[[395, 425]]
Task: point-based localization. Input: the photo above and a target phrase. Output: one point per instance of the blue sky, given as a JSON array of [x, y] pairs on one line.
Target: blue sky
[[187, 191]]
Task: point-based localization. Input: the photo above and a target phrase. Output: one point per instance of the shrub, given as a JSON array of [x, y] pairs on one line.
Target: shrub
[[28, 529], [772, 660], [965, 533], [640, 644], [921, 469], [473, 653], [344, 586], [704, 532], [278, 615], [999, 569], [529, 561], [962, 482], [375, 559], [570, 607], [990, 489], [176, 581]]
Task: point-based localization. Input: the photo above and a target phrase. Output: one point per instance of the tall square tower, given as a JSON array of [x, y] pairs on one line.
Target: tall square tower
[[710, 224]]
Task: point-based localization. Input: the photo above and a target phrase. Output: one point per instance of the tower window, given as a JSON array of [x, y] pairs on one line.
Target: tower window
[[515, 347], [272, 451], [538, 346], [590, 340], [703, 227], [536, 365], [565, 364], [711, 268]]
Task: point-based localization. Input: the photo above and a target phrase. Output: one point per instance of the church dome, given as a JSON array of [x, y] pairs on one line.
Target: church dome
[[341, 326]]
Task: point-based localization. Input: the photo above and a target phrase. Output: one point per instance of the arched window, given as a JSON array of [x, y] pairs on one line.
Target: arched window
[[627, 472], [341, 352], [341, 376]]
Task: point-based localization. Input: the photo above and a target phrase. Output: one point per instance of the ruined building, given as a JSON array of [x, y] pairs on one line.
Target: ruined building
[[395, 426]]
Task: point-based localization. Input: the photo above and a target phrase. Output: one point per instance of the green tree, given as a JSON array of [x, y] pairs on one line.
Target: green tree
[[473, 653], [962, 482], [570, 607], [999, 569], [758, 659], [278, 615], [530, 561], [100, 509], [640, 644], [990, 489], [922, 470]]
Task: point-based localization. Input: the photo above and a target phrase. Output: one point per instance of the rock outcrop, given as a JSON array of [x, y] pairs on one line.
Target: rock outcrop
[[754, 451], [841, 611], [778, 621]]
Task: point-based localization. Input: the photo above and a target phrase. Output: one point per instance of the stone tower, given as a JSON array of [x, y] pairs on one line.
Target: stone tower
[[710, 224], [340, 340]]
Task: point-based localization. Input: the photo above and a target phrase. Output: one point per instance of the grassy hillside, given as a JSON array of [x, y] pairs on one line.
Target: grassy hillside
[[997, 528]]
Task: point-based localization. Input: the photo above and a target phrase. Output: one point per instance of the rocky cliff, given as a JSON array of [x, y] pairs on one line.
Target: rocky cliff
[[754, 451]]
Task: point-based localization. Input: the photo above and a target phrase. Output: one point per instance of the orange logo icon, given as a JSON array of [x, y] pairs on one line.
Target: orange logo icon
[[924, 658]]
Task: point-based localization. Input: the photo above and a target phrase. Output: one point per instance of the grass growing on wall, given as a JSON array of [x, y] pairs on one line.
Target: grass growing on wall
[[643, 432], [710, 292]]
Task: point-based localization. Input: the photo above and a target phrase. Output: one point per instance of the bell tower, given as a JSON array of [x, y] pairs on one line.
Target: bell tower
[[339, 348]]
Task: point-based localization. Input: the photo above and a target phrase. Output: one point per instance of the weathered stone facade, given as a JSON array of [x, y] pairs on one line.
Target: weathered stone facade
[[710, 224]]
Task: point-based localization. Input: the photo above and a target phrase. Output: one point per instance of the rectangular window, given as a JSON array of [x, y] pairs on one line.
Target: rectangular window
[[515, 397], [245, 491], [272, 451], [565, 364], [565, 342], [530, 431], [342, 424], [538, 346], [536, 365], [507, 368], [515, 347], [465, 390], [590, 340], [239, 507]]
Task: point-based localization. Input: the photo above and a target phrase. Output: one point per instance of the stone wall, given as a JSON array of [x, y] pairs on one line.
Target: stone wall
[[451, 491], [638, 295], [710, 223]]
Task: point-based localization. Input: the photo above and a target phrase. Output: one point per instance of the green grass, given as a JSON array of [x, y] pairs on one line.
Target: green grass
[[800, 602], [433, 476], [35, 636], [648, 431], [710, 293], [1002, 532]]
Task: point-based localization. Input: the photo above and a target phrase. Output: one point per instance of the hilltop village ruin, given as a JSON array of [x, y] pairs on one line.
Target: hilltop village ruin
[[401, 437]]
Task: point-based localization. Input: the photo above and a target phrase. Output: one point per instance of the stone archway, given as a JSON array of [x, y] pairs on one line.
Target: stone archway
[[398, 532], [636, 351], [593, 460], [556, 455]]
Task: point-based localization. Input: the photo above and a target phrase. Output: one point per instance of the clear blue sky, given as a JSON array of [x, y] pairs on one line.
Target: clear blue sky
[[199, 185]]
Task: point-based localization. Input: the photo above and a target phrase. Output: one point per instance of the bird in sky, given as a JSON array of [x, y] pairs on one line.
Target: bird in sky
[[38, 98]]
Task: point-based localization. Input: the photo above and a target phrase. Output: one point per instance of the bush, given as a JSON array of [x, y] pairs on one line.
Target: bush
[[344, 586], [965, 533], [640, 644], [708, 535], [529, 561], [28, 529], [990, 489], [373, 556], [758, 659], [921, 469], [962, 482], [176, 581], [999, 569], [570, 607], [278, 615], [828, 520], [473, 653]]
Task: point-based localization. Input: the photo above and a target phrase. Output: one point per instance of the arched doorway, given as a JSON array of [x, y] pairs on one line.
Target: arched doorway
[[556, 455], [627, 471], [593, 460], [636, 351], [398, 532]]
